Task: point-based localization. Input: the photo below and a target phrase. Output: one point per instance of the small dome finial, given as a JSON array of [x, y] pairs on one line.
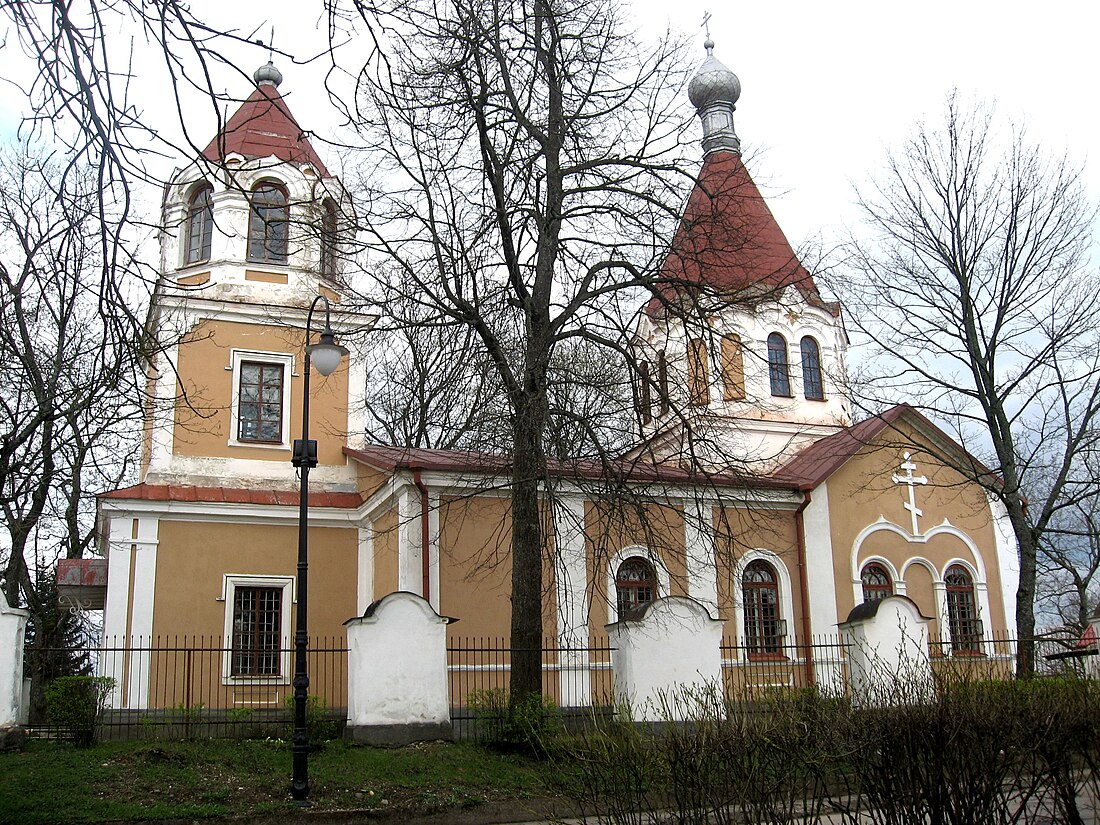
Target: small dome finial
[[714, 91], [268, 75]]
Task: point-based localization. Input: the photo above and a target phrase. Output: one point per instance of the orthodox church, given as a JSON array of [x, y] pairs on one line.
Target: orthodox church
[[821, 514]]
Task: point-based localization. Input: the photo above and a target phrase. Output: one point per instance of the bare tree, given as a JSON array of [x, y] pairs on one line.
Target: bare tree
[[526, 164], [1067, 565], [974, 289], [70, 390]]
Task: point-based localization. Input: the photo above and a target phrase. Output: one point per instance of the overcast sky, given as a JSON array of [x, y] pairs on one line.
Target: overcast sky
[[827, 87]]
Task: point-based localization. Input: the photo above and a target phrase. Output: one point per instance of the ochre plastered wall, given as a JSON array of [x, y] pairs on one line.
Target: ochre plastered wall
[[738, 531], [203, 419], [862, 491], [193, 556], [612, 527], [385, 554]]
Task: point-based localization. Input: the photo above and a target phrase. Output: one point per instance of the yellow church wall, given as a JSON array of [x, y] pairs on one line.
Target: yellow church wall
[[192, 558], [385, 554], [737, 531], [203, 415], [862, 491]]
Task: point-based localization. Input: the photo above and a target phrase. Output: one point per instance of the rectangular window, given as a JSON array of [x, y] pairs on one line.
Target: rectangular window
[[260, 406], [662, 381], [698, 373], [645, 397], [733, 369], [257, 631]]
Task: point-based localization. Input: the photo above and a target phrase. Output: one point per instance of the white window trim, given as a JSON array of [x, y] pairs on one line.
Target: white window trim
[[236, 358], [230, 583], [663, 580]]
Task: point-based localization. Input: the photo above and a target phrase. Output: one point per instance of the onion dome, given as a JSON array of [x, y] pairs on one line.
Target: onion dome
[[268, 75], [714, 91]]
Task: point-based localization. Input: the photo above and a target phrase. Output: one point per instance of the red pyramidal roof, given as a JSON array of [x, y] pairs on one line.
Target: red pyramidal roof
[[261, 127], [728, 240]]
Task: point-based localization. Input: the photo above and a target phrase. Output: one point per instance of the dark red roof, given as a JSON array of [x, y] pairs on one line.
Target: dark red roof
[[231, 495], [729, 241], [639, 470], [261, 127]]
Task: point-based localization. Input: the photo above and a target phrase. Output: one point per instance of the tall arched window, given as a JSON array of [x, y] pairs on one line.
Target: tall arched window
[[635, 584], [962, 612], [812, 385], [764, 629], [876, 583], [200, 224], [698, 373], [268, 225], [662, 380], [328, 240], [778, 370]]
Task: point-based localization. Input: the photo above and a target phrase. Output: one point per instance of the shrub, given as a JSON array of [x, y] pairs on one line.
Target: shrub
[[77, 703], [529, 726], [320, 723]]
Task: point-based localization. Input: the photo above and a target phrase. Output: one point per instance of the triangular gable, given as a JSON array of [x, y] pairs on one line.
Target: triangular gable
[[817, 462]]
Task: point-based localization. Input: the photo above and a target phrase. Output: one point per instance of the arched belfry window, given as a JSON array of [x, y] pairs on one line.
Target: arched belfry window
[[962, 612], [779, 374], [635, 584], [328, 239], [200, 224], [812, 385], [268, 224], [876, 582], [764, 629]]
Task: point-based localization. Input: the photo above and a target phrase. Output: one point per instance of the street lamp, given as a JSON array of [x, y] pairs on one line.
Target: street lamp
[[326, 356]]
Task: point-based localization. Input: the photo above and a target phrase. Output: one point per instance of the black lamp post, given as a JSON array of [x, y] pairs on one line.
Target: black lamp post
[[326, 355]]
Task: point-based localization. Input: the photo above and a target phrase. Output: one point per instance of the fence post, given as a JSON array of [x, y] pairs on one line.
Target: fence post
[[668, 660], [888, 654], [13, 623], [397, 673]]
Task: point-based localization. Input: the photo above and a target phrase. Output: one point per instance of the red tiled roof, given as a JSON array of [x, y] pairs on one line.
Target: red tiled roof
[[89, 572], [821, 459], [389, 459], [231, 495], [261, 127], [729, 240]]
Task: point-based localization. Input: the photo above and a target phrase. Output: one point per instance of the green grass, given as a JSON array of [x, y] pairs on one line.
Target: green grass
[[56, 783]]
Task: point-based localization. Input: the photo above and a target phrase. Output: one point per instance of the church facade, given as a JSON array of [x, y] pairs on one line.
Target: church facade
[[790, 515]]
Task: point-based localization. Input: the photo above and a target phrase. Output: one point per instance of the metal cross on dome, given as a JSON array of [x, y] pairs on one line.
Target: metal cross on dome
[[910, 480]]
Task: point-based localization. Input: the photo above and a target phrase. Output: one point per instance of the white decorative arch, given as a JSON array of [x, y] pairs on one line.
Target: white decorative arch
[[664, 586], [786, 592], [975, 563]]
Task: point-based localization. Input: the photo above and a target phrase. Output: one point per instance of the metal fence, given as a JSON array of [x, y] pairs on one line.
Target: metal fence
[[185, 687], [576, 680]]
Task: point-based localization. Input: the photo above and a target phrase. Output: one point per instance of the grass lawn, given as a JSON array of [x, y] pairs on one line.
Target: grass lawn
[[57, 783]]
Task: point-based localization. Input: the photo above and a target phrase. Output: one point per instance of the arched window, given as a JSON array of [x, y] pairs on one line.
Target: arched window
[[812, 385], [268, 224], [645, 395], [200, 224], [635, 584], [733, 368], [662, 380], [764, 629], [778, 370], [698, 373], [962, 612], [328, 240], [876, 583]]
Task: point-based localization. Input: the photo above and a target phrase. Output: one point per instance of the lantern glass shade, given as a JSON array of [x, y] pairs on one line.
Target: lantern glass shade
[[326, 356]]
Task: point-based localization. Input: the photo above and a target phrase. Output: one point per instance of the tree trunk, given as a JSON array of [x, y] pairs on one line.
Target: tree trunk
[[527, 545]]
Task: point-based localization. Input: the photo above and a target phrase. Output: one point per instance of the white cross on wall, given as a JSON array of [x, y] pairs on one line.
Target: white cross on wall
[[909, 479]]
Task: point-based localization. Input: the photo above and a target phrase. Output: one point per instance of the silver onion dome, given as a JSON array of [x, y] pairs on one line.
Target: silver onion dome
[[713, 82], [268, 75]]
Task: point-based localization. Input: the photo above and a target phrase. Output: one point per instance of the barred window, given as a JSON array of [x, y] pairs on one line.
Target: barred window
[[876, 583], [962, 612], [328, 240], [635, 584], [257, 622], [764, 629]]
